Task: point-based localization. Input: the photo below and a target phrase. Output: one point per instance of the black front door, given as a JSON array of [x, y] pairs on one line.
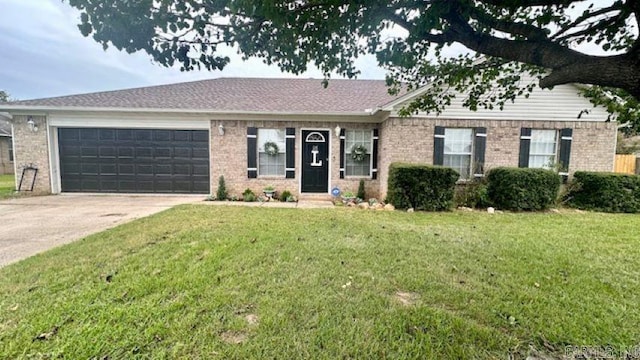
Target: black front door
[[315, 161]]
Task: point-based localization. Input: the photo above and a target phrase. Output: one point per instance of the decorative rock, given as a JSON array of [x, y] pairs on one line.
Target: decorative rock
[[555, 211], [351, 204], [389, 207], [491, 210], [464, 208], [363, 205], [410, 210]]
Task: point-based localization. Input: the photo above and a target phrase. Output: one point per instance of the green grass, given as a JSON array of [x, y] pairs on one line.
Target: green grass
[[7, 186], [323, 284]]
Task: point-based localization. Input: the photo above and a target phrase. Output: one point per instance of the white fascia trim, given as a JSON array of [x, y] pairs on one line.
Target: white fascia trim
[[19, 108], [131, 123]]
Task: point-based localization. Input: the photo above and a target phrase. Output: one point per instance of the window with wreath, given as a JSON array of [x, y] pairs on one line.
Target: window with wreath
[[358, 149], [271, 152]]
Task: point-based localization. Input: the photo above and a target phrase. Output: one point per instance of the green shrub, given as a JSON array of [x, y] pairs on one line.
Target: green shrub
[[421, 187], [285, 195], [221, 194], [606, 192], [249, 196], [473, 194], [361, 192], [522, 188]]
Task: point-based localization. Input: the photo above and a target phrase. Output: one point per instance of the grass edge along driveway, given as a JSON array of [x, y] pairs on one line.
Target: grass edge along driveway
[[233, 282]]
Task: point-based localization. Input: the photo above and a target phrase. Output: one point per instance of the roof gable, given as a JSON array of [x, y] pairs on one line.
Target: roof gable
[[562, 103]]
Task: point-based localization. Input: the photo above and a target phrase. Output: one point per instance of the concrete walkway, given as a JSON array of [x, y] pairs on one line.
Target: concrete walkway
[[31, 225]]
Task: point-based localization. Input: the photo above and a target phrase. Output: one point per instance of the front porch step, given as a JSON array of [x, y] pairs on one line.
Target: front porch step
[[315, 197]]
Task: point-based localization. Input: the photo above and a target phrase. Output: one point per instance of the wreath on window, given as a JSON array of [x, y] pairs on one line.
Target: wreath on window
[[358, 152], [271, 148]]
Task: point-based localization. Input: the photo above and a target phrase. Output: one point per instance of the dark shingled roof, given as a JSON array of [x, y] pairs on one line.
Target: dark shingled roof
[[237, 95], [5, 128]]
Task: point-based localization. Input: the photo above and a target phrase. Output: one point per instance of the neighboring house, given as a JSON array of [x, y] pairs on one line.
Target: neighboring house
[[181, 138], [6, 148]]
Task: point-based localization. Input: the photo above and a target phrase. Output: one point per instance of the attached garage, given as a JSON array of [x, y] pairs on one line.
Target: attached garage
[[134, 160]]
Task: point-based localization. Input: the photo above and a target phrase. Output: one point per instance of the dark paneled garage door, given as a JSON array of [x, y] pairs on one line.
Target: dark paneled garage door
[[134, 160]]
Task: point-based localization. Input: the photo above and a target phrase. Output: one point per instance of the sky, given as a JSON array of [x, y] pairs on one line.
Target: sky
[[43, 54]]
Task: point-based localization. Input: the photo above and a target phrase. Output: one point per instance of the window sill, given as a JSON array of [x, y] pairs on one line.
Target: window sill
[[357, 177], [271, 177]]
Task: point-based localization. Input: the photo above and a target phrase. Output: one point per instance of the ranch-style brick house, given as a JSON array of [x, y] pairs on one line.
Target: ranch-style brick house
[[290, 133]]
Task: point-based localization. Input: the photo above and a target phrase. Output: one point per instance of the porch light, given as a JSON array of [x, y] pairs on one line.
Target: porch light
[[32, 124], [221, 129], [337, 130]]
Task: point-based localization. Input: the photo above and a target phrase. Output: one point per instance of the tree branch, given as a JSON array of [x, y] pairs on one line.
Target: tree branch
[[511, 27]]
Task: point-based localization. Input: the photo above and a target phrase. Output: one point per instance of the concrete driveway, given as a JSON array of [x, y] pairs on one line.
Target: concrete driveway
[[35, 224]]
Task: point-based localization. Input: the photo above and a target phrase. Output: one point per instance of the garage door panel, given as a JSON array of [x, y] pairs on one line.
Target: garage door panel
[[144, 152], [69, 134], [200, 169], [89, 152], [89, 169], [89, 134], [126, 169], [162, 135], [200, 137], [108, 169], [164, 170], [107, 134], [134, 160], [144, 169], [202, 154], [124, 134], [163, 153]]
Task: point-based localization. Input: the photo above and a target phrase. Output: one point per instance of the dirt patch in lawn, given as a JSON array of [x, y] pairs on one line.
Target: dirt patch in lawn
[[234, 337], [406, 298]]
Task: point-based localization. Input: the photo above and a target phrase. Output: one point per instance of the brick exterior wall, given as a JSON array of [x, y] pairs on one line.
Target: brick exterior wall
[[411, 140], [32, 148], [229, 158], [6, 165], [400, 139]]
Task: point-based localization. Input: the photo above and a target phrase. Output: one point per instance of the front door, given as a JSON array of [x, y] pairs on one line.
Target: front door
[[315, 161]]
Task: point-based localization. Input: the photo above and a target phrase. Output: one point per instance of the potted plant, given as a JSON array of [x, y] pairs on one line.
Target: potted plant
[[269, 191]]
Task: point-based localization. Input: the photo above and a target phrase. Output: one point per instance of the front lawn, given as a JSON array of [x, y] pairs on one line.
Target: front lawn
[[214, 282], [7, 186]]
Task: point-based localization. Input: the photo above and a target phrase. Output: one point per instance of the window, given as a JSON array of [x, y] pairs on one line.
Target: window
[[543, 150], [271, 164], [358, 140], [458, 148], [10, 149]]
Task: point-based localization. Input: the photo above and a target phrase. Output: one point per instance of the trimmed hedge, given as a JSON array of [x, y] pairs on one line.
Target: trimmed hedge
[[601, 191], [522, 188], [422, 187]]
